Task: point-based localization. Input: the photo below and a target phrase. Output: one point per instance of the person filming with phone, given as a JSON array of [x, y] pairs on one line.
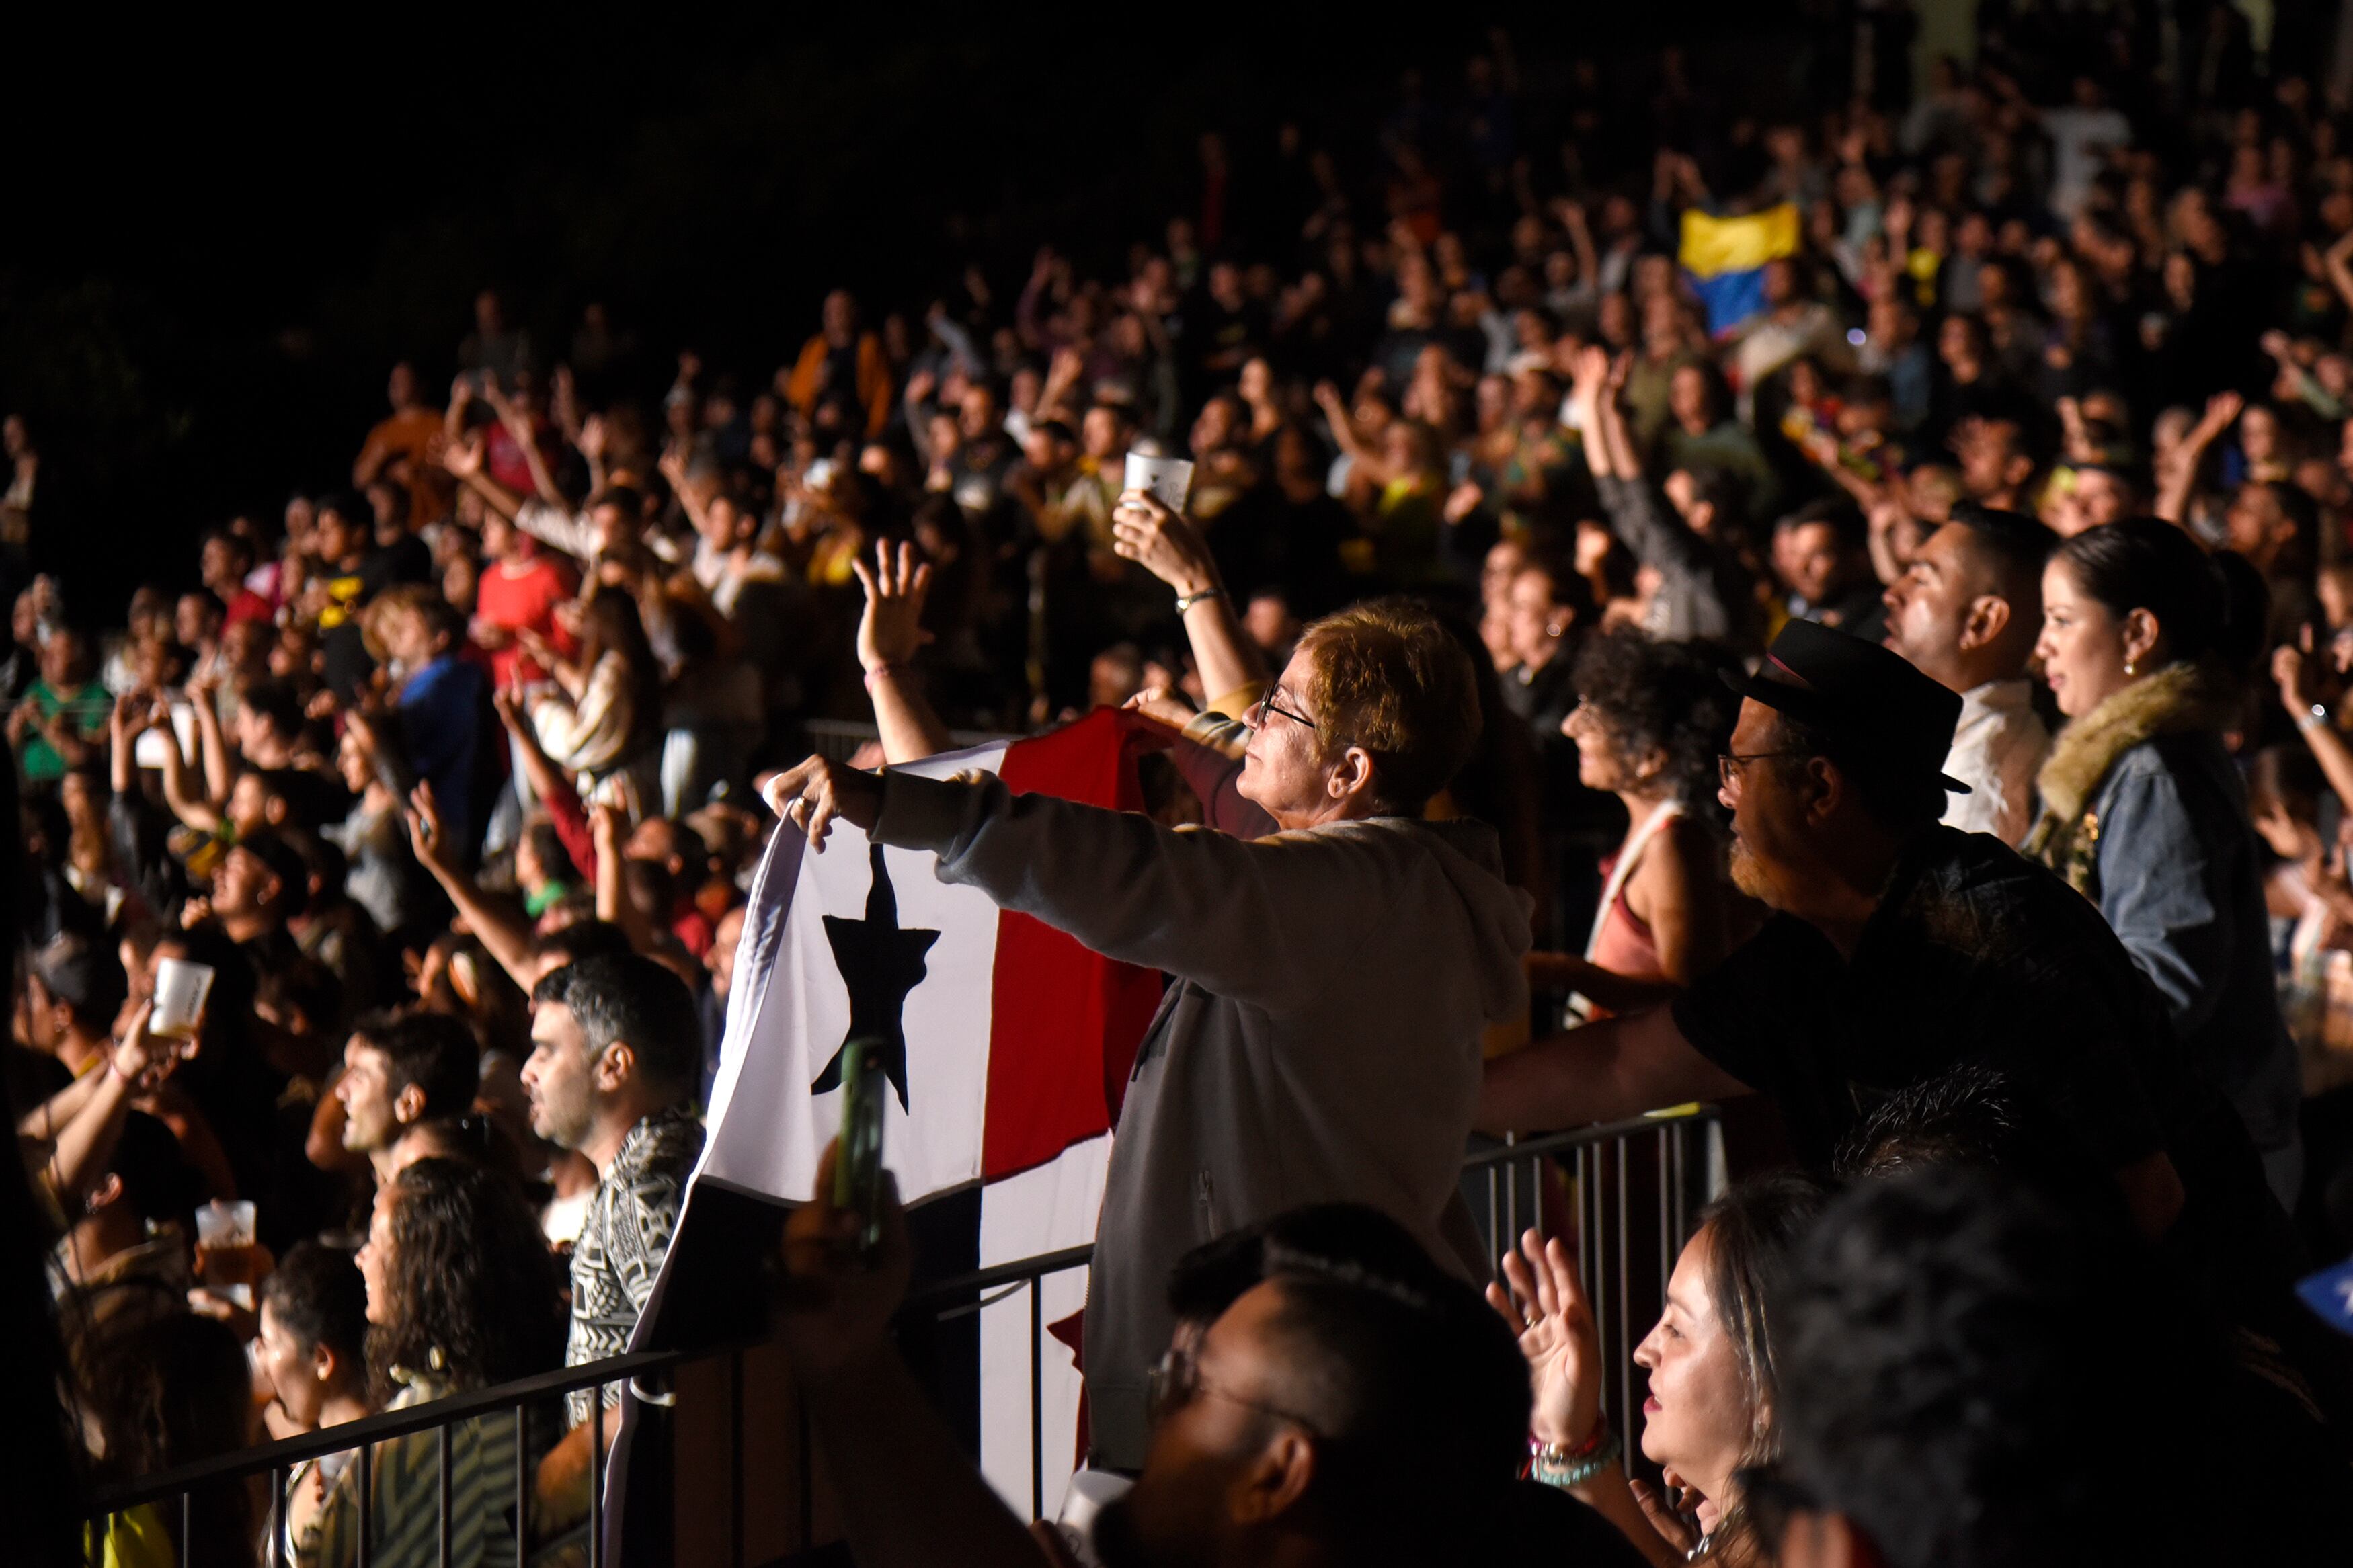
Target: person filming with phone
[[1321, 1042]]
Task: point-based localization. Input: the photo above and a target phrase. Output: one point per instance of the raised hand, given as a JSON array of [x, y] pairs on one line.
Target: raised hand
[[425, 840], [463, 459], [1546, 1306], [605, 827], [2222, 411], [1146, 531], [891, 629]]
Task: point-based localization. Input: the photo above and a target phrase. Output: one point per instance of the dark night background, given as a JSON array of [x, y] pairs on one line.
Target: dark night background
[[219, 235]]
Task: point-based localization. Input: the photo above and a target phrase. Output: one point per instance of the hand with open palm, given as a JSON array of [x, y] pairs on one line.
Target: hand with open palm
[[1546, 1304]]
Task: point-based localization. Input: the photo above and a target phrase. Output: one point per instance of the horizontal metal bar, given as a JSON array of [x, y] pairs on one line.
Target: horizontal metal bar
[[1012, 1273], [377, 1428], [1583, 1137], [441, 1413]]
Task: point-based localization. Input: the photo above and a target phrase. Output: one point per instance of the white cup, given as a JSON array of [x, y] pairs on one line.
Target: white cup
[[1091, 1491], [181, 988], [1168, 479]]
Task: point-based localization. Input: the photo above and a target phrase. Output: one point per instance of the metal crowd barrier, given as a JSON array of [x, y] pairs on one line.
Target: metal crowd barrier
[[1622, 1195], [838, 739]]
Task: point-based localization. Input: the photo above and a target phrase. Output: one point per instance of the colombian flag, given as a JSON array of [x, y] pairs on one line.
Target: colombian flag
[[1724, 258]]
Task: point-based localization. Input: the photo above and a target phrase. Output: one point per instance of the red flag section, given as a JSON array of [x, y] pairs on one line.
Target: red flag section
[[1065, 1023]]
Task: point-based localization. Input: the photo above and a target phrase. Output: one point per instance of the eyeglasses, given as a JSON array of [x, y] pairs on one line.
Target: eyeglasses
[[1267, 704], [1175, 1381], [1730, 766]]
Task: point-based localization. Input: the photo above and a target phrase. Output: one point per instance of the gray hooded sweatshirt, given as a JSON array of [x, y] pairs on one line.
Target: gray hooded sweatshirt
[[1320, 1042]]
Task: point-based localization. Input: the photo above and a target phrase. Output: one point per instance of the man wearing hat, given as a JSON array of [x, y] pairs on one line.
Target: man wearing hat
[[261, 883], [1899, 951], [1966, 612]]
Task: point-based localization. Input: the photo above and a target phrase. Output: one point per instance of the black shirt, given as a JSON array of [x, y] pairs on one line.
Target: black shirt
[[1976, 955]]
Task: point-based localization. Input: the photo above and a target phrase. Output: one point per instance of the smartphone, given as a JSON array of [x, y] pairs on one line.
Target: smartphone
[[858, 1154]]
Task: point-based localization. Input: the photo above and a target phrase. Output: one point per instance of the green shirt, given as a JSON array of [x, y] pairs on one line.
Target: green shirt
[[86, 709]]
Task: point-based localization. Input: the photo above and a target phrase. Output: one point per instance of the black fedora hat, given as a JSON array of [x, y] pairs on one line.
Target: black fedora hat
[[1859, 691]]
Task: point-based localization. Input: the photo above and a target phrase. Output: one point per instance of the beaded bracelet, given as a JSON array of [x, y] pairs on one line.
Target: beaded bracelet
[[1560, 1453], [1575, 1473]]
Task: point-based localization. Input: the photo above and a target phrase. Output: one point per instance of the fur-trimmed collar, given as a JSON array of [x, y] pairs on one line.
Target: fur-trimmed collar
[[2177, 698]]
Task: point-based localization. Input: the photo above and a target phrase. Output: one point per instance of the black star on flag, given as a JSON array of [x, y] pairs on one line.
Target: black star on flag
[[882, 964]]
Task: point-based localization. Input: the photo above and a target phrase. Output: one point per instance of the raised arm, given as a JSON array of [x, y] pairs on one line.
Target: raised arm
[[1173, 550], [124, 724], [1255, 921], [2328, 748], [890, 633], [2180, 480], [548, 785], [463, 461], [1606, 1072], [613, 901], [1343, 434], [211, 745], [504, 933], [518, 428], [204, 816], [85, 1140]]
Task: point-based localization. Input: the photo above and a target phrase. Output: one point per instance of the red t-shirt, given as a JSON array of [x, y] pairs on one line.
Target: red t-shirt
[[522, 600], [247, 605]]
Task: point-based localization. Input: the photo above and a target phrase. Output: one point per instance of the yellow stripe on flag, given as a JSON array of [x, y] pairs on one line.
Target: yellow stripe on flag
[[1714, 246]]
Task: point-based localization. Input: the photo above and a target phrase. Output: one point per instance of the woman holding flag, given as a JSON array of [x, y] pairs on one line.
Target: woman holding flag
[[1322, 1039]]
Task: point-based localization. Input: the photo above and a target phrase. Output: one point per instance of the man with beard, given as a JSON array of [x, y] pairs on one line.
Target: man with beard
[[617, 1053], [1901, 950]]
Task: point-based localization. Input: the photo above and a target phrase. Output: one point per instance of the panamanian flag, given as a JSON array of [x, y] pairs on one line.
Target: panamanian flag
[[1007, 1047]]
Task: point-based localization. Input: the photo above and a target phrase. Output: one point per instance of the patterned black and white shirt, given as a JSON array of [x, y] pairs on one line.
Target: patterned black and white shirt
[[630, 1221]]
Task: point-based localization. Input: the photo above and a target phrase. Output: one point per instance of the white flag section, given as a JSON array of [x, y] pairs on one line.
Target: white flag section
[[865, 939], [789, 1014]]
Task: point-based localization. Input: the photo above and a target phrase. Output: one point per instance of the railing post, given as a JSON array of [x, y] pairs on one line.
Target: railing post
[[187, 1527], [367, 1504], [523, 1483], [1625, 1292], [441, 1489], [736, 1459], [596, 1477], [1037, 1399], [277, 1553]]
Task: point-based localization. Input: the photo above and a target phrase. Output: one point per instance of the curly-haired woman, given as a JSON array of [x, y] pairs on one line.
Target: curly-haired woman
[[461, 1294], [1650, 720]]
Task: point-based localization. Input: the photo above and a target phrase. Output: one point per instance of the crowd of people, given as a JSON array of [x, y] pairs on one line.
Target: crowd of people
[[1902, 689]]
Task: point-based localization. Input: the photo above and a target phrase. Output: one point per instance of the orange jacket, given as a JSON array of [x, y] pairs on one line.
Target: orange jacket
[[873, 380]]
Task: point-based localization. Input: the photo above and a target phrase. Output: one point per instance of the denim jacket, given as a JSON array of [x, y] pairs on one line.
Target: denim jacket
[[2162, 843]]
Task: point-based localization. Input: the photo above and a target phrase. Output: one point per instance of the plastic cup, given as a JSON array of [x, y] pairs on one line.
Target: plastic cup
[[227, 1259], [1167, 480], [181, 988], [1091, 1491]]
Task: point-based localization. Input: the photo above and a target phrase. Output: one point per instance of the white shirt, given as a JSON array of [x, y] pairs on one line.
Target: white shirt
[[1998, 747]]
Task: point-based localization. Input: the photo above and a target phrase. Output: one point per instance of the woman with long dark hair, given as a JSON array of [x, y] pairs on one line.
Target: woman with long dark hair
[[2144, 812], [1709, 1413], [461, 1294], [607, 708]]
